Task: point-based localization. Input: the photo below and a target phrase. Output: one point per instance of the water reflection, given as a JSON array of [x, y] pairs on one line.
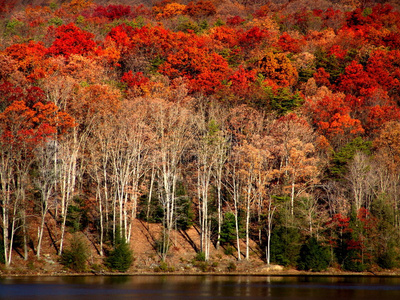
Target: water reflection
[[200, 287]]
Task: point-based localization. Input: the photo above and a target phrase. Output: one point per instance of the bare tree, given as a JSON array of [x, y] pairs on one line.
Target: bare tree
[[172, 125], [45, 184], [361, 179]]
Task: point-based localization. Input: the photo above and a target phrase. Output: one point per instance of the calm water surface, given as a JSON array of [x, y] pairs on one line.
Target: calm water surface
[[200, 287]]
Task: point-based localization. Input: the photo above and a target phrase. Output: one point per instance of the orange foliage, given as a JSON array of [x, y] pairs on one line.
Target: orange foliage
[[29, 56], [201, 8], [95, 101], [169, 10], [224, 36], [29, 125], [331, 116], [205, 70], [76, 6]]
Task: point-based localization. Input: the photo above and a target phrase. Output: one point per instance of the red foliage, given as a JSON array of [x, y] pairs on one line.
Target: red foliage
[[70, 39], [112, 12], [234, 21], [322, 77], [356, 81], [205, 70], [227, 36], [339, 225], [29, 96], [391, 40], [367, 220], [340, 221], [242, 81], [121, 35], [287, 43], [252, 37], [153, 42], [379, 115], [136, 82], [356, 18], [384, 15], [332, 117], [6, 6], [337, 51], [24, 126], [262, 11], [384, 68], [9, 94]]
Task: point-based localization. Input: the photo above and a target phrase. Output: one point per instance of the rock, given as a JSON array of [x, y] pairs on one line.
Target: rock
[[272, 268]]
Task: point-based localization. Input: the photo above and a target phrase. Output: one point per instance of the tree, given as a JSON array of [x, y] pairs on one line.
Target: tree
[[277, 69], [245, 123], [121, 257], [298, 164], [128, 158], [201, 8], [30, 58], [333, 119], [388, 154], [313, 256], [204, 69], [362, 179], [76, 256], [222, 144], [69, 39], [28, 126], [207, 158], [171, 125]]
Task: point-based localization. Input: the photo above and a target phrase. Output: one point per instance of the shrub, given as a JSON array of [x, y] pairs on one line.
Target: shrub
[[163, 267], [229, 250], [387, 260], [200, 256], [353, 262], [285, 246], [121, 258], [231, 267], [75, 257], [77, 217], [2, 257], [202, 266], [313, 256], [228, 229]]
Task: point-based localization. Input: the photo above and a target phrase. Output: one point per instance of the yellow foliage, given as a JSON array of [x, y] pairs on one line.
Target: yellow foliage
[[276, 67]]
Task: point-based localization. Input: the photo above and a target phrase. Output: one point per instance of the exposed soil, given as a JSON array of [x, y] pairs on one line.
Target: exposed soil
[[181, 257]]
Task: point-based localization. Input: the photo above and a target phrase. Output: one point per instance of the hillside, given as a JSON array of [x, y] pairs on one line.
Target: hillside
[[181, 259], [271, 127]]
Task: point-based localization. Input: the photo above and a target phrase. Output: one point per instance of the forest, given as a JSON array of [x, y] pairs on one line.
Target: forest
[[276, 122]]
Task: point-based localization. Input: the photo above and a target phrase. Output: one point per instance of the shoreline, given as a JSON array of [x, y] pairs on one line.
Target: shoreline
[[274, 274]]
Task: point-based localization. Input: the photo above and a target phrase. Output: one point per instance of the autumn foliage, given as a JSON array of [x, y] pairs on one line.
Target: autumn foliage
[[284, 114]]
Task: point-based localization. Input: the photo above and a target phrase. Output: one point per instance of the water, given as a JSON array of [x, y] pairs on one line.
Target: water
[[200, 287]]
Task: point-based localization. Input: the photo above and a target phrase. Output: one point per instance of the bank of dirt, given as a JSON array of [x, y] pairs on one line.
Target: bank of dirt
[[181, 258]]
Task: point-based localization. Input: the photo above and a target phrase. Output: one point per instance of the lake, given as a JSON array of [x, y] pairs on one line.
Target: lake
[[153, 287]]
